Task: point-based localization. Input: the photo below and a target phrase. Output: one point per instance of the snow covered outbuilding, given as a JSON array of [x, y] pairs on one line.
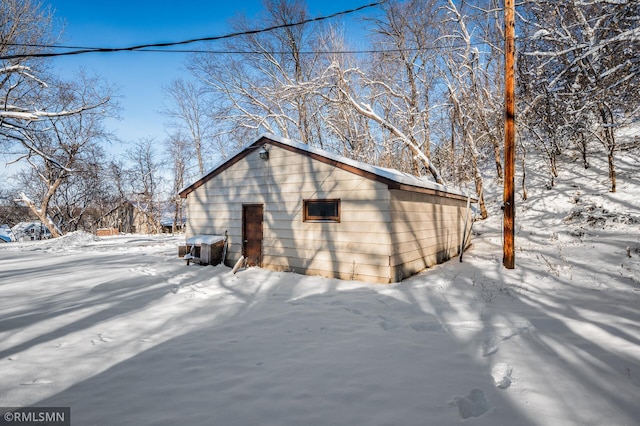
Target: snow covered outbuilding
[[288, 206]]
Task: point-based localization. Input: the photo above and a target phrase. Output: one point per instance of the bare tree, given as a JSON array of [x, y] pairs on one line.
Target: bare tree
[[586, 55], [465, 74], [187, 109], [144, 177], [343, 93], [178, 159], [379, 107], [25, 26], [116, 196], [60, 146], [402, 73], [344, 130], [45, 123], [11, 211], [78, 201], [258, 89]]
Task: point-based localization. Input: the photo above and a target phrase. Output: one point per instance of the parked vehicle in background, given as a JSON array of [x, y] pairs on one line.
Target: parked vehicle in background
[[6, 235]]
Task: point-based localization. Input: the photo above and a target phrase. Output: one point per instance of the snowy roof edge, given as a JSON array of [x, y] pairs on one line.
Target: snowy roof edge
[[391, 174]]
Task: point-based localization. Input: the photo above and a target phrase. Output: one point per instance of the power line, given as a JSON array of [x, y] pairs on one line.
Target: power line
[[308, 52], [142, 47], [271, 52]]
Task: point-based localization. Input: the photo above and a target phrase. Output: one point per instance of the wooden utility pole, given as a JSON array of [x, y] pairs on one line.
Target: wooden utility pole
[[508, 259]]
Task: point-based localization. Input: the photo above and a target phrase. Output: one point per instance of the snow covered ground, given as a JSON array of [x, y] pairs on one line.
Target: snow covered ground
[[123, 332]]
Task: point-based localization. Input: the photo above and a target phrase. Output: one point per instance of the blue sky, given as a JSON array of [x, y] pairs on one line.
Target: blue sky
[[138, 76]]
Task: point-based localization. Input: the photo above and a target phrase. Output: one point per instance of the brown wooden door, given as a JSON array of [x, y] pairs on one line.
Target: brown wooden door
[[252, 234]]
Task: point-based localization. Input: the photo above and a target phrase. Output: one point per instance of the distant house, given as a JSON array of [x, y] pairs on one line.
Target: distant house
[[139, 218], [132, 218], [30, 231], [290, 207]]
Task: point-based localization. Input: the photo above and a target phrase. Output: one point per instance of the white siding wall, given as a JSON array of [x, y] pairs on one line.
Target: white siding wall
[[426, 230], [355, 248]]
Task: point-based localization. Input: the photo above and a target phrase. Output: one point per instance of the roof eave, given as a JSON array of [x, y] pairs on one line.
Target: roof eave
[[362, 169]]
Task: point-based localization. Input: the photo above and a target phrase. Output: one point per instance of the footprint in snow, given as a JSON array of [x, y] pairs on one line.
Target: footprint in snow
[[298, 303], [101, 339], [517, 332], [145, 270], [501, 374], [178, 279], [422, 326], [492, 344], [388, 324], [473, 405], [37, 382]]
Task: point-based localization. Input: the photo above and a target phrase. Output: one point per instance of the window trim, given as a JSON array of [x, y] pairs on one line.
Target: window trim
[[331, 219]]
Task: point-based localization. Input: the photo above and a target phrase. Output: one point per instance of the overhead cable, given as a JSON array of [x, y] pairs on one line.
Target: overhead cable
[[142, 47]]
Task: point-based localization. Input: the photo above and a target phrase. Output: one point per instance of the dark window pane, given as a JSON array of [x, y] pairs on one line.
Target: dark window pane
[[323, 208]]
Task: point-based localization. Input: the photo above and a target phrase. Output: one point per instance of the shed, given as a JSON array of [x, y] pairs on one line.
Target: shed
[[288, 206], [204, 249]]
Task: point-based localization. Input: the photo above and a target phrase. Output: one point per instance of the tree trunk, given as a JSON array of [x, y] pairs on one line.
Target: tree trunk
[[524, 175], [174, 226], [553, 167], [198, 143], [496, 154], [477, 177], [42, 215], [609, 141], [612, 170], [583, 150], [478, 181]]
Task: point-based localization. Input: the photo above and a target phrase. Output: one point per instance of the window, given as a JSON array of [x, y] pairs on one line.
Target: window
[[322, 210]]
